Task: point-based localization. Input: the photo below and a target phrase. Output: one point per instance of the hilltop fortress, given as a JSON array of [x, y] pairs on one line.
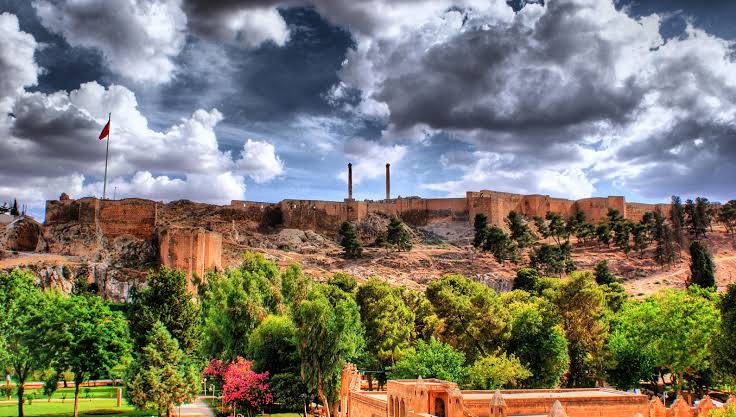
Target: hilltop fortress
[[190, 236]]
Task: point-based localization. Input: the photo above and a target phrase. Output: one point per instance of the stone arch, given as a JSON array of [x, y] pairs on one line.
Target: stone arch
[[439, 407], [402, 408]]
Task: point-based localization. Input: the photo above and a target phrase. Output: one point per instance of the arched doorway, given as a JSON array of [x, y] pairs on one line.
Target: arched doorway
[[402, 409], [439, 407]]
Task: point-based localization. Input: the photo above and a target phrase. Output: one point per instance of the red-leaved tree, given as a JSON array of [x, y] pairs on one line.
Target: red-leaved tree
[[244, 388], [215, 372]]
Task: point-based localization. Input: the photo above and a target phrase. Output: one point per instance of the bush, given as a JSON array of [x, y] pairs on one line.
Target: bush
[[526, 279]]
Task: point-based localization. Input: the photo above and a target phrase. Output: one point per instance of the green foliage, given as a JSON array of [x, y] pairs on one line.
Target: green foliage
[[432, 359], [500, 245], [14, 209], [526, 279], [236, 302], [480, 226], [166, 299], [496, 372], [343, 281], [474, 319], [702, 268], [622, 230], [558, 229], [160, 376], [728, 411], [582, 308], [725, 345], [398, 236], [697, 217], [22, 345], [351, 246], [426, 321], [675, 327], [328, 333], [603, 275], [520, 231], [536, 339], [677, 218], [632, 363], [289, 392], [727, 216], [387, 320], [603, 232], [552, 259], [86, 337], [272, 345], [665, 238], [294, 285]]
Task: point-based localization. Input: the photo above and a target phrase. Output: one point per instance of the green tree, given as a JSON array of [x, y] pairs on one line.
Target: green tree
[[725, 345], [552, 259], [432, 359], [702, 268], [500, 245], [677, 218], [602, 274], [237, 301], [622, 230], [727, 216], [526, 279], [473, 317], [603, 233], [665, 238], [345, 282], [168, 300], [480, 227], [387, 320], [426, 321], [88, 339], [632, 363], [160, 376], [519, 229], [22, 307], [398, 235], [582, 308], [642, 239], [558, 229], [14, 209], [294, 286], [272, 345], [497, 372], [328, 333], [351, 246], [536, 338], [676, 327]]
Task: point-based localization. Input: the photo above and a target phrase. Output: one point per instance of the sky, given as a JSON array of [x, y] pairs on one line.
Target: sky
[[270, 99]]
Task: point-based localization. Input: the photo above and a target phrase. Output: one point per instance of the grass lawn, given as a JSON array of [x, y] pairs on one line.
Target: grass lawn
[[86, 408], [68, 393]]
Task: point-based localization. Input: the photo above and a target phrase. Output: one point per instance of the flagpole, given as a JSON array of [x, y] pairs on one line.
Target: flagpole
[[107, 152]]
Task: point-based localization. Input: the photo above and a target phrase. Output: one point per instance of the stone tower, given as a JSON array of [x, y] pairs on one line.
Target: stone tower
[[388, 181], [350, 181]]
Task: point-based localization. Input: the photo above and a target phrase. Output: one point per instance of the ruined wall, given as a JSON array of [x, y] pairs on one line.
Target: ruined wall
[[635, 211], [315, 214], [193, 250]]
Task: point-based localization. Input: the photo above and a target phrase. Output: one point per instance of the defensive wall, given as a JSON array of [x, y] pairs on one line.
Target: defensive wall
[[190, 235], [432, 397]]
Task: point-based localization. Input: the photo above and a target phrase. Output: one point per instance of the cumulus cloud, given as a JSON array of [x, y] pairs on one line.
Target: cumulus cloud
[[18, 68], [247, 23], [504, 172], [369, 159], [50, 145], [260, 161], [577, 83], [139, 39]]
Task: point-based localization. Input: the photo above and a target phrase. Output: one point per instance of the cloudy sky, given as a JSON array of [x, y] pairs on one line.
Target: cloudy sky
[[269, 99]]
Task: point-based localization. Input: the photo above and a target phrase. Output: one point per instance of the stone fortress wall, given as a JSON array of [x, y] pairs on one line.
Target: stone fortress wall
[[190, 235]]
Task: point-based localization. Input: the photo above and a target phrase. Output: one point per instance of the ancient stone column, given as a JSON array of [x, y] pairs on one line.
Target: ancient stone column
[[388, 181], [350, 181]]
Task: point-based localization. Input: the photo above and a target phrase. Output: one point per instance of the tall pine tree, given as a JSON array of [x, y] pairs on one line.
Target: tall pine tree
[[702, 268]]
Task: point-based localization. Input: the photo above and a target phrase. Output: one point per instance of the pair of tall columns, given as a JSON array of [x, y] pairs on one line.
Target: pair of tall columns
[[350, 181]]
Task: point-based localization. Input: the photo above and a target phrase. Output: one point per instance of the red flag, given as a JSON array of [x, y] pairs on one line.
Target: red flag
[[105, 131]]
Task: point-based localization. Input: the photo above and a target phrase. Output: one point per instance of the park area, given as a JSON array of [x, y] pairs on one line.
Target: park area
[[93, 401]]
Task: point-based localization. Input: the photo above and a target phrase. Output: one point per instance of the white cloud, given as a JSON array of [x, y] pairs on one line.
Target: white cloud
[[18, 68], [138, 38], [369, 159], [259, 161]]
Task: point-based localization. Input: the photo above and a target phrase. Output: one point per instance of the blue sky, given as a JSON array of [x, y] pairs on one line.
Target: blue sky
[[266, 99]]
